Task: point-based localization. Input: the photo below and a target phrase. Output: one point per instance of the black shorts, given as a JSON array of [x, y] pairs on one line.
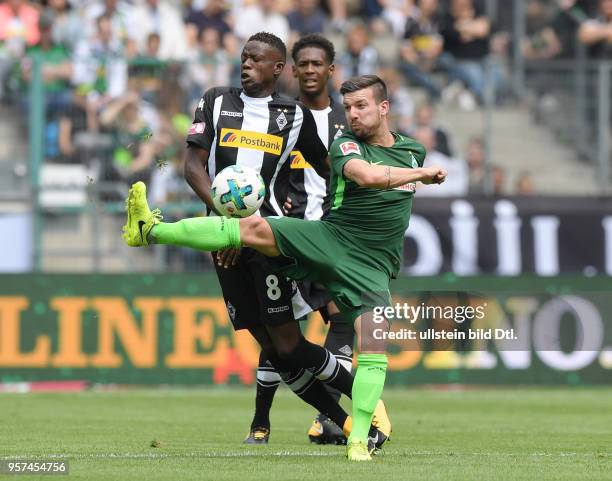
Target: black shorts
[[316, 296], [255, 293]]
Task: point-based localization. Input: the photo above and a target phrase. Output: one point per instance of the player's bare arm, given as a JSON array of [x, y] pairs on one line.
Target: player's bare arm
[[196, 175], [323, 168], [199, 180], [386, 177]]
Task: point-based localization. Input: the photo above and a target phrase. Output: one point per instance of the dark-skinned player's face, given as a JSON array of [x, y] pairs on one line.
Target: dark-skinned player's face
[[261, 65], [363, 112], [312, 70]]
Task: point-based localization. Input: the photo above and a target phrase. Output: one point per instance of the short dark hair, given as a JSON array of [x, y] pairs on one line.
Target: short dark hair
[[317, 41], [363, 82], [102, 18], [270, 39]]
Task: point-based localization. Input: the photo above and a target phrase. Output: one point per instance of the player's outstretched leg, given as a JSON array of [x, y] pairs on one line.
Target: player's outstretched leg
[[208, 234], [140, 219]]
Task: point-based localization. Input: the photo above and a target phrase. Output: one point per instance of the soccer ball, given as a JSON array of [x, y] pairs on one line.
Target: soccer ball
[[238, 191]]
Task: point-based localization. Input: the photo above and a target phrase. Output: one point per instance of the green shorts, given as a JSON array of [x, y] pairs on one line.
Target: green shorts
[[321, 252]]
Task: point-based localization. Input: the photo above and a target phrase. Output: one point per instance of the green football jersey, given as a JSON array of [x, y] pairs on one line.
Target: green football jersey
[[375, 218]]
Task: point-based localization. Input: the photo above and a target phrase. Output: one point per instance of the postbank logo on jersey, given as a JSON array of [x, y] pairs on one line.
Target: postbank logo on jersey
[[297, 160], [246, 139]]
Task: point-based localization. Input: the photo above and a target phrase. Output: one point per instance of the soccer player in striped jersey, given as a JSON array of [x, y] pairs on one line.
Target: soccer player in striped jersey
[[313, 57], [256, 127]]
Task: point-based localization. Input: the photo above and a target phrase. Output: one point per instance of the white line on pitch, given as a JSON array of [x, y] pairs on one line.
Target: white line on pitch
[[239, 454]]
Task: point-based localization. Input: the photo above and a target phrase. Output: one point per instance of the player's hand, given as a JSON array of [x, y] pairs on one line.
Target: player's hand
[[287, 206], [433, 175], [228, 257]]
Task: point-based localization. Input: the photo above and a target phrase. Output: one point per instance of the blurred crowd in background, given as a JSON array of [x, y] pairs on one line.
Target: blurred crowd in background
[[122, 78]]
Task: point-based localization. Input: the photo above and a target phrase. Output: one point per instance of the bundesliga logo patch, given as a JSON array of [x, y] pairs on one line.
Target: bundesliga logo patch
[[350, 148], [197, 128]]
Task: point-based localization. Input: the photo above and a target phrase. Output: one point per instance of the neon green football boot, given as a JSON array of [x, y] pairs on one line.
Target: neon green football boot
[[357, 450], [140, 219]]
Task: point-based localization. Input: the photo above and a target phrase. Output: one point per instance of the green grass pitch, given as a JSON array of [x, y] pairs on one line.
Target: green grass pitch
[[475, 434]]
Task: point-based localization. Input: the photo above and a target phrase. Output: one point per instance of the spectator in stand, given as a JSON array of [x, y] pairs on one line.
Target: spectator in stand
[[164, 19], [213, 15], [476, 166], [424, 117], [18, 30], [466, 32], [570, 14], [67, 24], [359, 58], [56, 70], [396, 13], [100, 71], [337, 11], [422, 47], [524, 184], [208, 66], [456, 184], [498, 177], [153, 47], [147, 71], [307, 17], [233, 49], [134, 125], [261, 16], [400, 116], [124, 24], [541, 42], [596, 33]]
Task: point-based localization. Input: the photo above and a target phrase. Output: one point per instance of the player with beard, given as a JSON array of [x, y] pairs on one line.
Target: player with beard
[[354, 252], [255, 127], [313, 57]]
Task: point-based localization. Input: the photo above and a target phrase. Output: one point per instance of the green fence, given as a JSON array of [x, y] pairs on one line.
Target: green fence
[[174, 329]]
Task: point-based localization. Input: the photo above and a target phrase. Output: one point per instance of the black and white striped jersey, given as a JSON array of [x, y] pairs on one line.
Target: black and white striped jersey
[[309, 191], [260, 133]]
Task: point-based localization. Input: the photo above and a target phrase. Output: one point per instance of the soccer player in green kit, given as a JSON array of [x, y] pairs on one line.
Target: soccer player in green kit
[[354, 252]]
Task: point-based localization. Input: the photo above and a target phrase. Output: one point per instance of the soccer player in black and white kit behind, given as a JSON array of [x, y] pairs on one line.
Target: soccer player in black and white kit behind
[[313, 57], [256, 127]]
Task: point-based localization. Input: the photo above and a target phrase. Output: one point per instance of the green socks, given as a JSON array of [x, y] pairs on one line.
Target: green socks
[[201, 233], [367, 389]]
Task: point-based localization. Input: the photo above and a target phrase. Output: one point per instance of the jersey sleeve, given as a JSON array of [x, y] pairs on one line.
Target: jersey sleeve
[[201, 133], [341, 151], [419, 153], [310, 145]]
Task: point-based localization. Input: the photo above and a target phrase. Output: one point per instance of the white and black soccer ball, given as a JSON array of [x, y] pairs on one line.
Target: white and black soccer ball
[[238, 191]]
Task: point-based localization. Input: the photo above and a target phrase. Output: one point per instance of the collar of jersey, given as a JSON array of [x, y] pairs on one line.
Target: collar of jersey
[[396, 136], [326, 109], [255, 100]]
